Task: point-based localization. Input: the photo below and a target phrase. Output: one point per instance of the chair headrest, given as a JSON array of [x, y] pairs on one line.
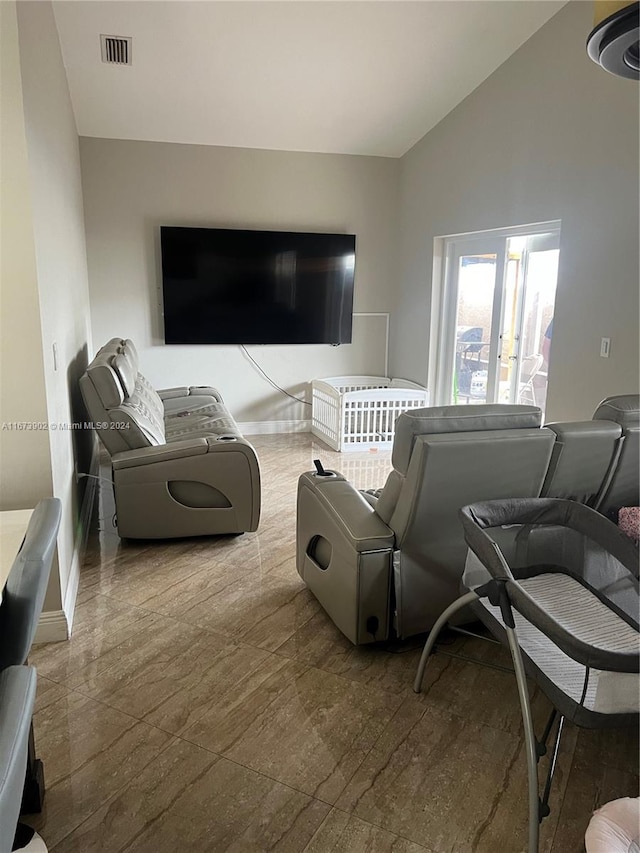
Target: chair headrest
[[106, 381], [114, 371], [623, 409], [126, 373], [443, 419], [111, 347], [129, 349]]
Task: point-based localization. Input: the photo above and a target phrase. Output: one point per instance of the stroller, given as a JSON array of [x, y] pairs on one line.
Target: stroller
[[558, 583]]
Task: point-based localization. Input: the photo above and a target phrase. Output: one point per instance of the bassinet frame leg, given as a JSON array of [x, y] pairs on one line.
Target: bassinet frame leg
[[498, 596], [544, 802], [442, 620], [529, 739]]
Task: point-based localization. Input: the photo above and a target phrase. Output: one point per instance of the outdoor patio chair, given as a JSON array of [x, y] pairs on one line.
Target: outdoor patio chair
[[529, 369]]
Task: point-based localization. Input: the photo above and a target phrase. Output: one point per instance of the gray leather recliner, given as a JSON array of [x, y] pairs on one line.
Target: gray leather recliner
[[180, 464], [597, 462], [621, 486], [583, 453], [392, 561], [395, 562]]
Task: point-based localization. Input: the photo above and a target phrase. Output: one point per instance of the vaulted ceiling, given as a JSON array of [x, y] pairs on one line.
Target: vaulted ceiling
[[346, 76]]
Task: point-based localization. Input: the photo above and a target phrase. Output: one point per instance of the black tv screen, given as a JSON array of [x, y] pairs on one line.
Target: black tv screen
[[227, 286]]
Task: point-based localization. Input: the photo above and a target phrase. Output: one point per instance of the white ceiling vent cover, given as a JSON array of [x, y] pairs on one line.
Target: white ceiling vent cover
[[116, 50]]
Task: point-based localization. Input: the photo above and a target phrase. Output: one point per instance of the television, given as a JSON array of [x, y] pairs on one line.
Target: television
[[228, 286]]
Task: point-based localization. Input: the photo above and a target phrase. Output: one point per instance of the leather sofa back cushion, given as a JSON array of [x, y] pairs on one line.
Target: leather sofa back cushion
[[150, 397], [446, 419], [582, 454], [126, 396], [388, 499], [141, 384], [144, 425]]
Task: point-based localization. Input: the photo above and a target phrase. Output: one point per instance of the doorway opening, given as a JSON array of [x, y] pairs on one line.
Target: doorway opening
[[496, 324]]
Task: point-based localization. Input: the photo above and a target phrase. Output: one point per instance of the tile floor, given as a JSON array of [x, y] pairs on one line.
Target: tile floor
[[206, 703]]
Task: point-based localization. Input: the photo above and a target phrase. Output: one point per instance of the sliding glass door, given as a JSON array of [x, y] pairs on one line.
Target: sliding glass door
[[497, 319]]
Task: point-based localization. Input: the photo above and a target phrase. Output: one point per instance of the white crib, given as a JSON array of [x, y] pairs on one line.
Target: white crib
[[359, 412]]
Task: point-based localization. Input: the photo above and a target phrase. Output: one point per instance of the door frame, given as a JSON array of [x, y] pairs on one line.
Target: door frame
[[445, 297]]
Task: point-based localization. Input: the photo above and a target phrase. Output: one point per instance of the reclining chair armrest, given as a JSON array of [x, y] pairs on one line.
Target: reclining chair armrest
[[169, 393], [181, 450], [159, 453], [205, 391], [191, 391], [344, 554], [350, 511]]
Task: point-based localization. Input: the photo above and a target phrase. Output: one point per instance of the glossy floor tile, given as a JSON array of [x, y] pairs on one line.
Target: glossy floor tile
[[304, 727], [90, 752], [418, 778], [190, 800], [341, 832], [206, 703], [168, 675]]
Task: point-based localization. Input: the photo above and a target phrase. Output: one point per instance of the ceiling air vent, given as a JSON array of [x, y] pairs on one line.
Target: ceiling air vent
[[116, 50]]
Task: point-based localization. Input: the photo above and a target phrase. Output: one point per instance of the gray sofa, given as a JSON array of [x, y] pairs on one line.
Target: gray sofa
[[179, 462], [391, 561]]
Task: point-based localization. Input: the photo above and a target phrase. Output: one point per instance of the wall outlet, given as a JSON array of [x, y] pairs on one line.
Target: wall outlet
[[605, 347]]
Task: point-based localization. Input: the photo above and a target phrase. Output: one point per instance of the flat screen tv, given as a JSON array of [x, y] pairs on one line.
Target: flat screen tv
[[227, 286]]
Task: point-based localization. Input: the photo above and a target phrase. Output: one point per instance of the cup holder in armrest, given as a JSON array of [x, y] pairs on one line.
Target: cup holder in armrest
[[227, 438], [324, 475]]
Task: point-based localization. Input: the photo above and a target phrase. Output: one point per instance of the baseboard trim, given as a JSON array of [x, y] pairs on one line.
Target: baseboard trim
[[69, 604], [273, 427], [56, 625], [52, 627]]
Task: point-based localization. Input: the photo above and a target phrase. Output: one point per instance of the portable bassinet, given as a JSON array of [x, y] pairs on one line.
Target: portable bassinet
[[558, 583]]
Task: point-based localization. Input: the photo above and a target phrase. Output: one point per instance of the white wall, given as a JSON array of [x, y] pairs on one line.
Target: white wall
[[58, 229], [25, 466], [549, 135], [131, 188]]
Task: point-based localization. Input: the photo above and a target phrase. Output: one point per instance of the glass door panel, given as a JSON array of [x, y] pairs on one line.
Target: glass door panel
[[476, 280], [476, 294], [510, 328], [538, 271], [497, 318]]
